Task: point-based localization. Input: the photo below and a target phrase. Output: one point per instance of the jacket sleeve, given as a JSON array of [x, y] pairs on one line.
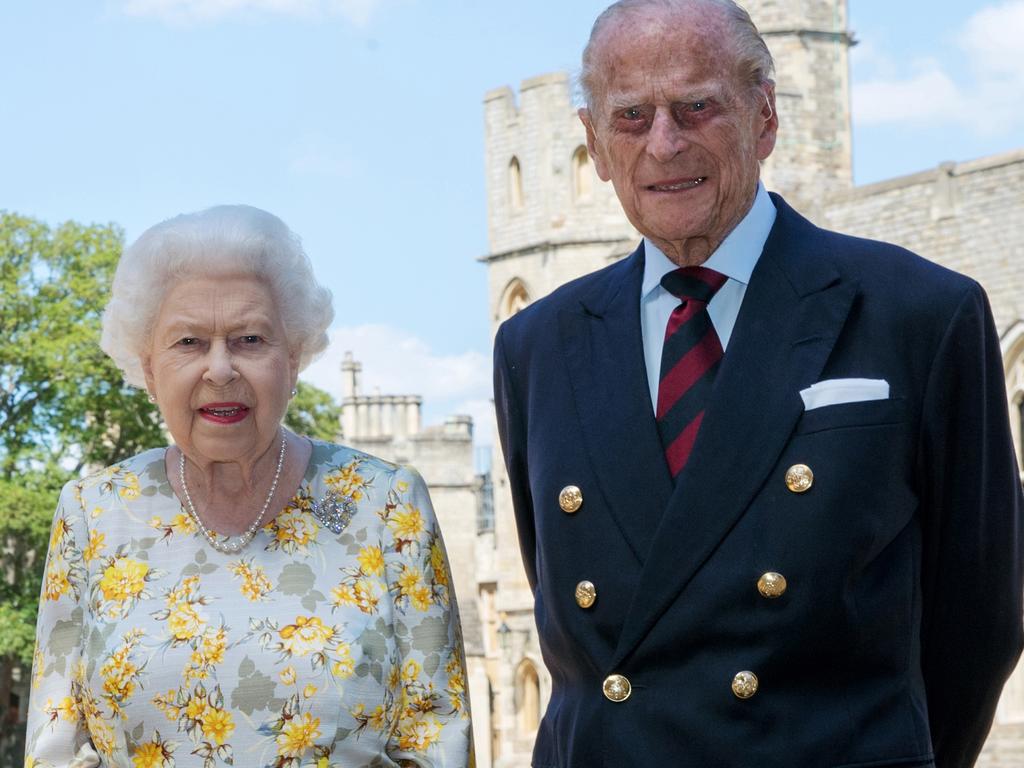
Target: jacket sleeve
[[512, 433], [971, 633], [57, 734]]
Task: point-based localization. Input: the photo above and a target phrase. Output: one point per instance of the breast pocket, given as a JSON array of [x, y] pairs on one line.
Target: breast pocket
[[869, 413]]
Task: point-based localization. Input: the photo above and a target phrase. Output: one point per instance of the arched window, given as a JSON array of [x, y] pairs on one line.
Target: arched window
[[514, 298], [1020, 425], [1011, 703], [527, 698], [1013, 366], [582, 174], [515, 184]]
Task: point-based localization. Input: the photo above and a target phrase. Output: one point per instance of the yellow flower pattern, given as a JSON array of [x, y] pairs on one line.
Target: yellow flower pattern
[[181, 524], [295, 530], [160, 651], [121, 672], [255, 584]]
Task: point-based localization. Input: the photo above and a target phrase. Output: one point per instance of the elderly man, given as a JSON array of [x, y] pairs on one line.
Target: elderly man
[[762, 473]]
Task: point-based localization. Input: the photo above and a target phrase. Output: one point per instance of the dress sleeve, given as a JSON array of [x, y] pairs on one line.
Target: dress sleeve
[[431, 722], [57, 736]]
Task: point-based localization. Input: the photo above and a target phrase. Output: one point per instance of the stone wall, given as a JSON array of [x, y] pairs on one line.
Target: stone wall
[[966, 216]]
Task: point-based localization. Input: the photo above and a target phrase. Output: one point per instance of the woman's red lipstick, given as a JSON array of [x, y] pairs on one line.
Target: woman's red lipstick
[[224, 413]]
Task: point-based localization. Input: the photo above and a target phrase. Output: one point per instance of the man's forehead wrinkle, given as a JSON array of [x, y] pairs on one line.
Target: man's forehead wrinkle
[[674, 40], [664, 89]]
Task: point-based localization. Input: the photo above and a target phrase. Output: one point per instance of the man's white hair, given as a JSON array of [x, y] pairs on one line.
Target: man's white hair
[[753, 58], [225, 240]]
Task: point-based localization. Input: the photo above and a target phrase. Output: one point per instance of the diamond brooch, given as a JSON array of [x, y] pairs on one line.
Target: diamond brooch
[[334, 511]]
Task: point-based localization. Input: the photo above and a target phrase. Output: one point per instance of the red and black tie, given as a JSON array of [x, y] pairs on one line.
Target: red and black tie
[[689, 361]]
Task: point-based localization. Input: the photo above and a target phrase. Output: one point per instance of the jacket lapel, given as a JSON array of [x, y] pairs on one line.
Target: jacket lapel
[[793, 311], [603, 348]]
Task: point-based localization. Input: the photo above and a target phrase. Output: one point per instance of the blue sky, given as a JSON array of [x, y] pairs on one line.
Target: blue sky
[[359, 122]]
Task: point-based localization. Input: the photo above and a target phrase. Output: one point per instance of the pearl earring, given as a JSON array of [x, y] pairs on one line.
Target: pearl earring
[[294, 392], [152, 399]]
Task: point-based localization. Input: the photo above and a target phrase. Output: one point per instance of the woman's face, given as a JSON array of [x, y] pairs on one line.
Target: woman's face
[[220, 368]]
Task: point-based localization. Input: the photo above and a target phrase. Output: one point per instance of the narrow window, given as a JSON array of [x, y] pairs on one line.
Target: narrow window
[[515, 184], [527, 698], [514, 298]]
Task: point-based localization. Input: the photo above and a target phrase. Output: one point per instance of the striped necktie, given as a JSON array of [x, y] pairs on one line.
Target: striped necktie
[[689, 361]]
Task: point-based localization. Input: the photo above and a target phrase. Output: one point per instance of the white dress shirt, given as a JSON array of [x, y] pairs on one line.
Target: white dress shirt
[[735, 258]]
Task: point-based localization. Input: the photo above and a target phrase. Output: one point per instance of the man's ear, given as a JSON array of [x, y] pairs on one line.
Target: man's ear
[[594, 145], [770, 126]]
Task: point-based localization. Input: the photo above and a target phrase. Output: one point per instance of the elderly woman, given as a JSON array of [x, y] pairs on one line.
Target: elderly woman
[[245, 596]]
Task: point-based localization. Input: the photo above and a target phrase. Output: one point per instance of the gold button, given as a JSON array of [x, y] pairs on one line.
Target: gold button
[[616, 688], [799, 478], [570, 499], [586, 594], [744, 684], [771, 584]]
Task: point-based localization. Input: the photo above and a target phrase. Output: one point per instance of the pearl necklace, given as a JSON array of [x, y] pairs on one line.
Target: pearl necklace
[[231, 547]]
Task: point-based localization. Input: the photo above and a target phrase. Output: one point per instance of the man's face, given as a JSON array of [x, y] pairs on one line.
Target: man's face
[[677, 131]]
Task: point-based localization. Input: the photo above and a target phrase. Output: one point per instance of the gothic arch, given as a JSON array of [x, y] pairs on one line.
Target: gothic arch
[[515, 184], [582, 175], [1012, 348], [514, 298], [1011, 703], [527, 698]]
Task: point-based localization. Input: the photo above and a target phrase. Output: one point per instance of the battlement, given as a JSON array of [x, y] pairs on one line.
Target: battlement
[[541, 183], [797, 16]]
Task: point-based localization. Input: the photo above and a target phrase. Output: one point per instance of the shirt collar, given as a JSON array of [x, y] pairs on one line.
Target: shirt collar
[[735, 257]]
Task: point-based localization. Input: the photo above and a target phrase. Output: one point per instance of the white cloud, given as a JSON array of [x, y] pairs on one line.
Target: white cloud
[[992, 39], [983, 95], [924, 97], [396, 362], [185, 11], [868, 58]]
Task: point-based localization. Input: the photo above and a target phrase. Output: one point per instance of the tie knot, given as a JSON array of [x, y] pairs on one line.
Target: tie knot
[[697, 283]]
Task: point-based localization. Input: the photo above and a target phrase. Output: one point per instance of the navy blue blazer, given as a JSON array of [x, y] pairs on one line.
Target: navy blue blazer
[[902, 617]]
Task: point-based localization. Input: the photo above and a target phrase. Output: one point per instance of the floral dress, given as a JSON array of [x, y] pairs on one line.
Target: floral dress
[[308, 648]]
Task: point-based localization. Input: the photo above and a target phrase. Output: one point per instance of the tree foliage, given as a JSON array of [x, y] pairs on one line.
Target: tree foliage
[[313, 413], [63, 403], [25, 513]]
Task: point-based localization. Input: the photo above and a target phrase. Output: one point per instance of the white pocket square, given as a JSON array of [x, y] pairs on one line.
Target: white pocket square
[[835, 391]]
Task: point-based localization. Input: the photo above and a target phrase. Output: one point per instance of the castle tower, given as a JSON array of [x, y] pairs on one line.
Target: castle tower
[[550, 218], [810, 43]]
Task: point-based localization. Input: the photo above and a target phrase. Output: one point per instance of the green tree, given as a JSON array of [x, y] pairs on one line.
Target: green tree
[[314, 413], [25, 513], [63, 404]]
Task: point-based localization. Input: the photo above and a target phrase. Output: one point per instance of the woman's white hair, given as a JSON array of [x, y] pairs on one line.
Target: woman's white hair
[[220, 241]]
